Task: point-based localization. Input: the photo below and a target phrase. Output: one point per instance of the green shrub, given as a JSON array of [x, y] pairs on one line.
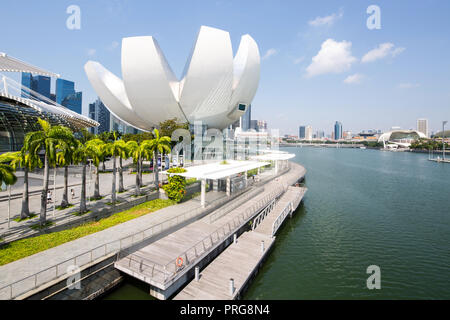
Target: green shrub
[[176, 188]]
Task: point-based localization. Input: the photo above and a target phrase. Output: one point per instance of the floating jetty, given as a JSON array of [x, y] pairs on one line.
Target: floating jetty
[[171, 262]]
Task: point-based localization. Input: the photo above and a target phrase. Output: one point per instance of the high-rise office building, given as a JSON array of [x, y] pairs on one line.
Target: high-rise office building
[[308, 133], [320, 134], [39, 84], [302, 132], [67, 96], [254, 125], [120, 126], [99, 113], [337, 130], [422, 126], [245, 120], [262, 126]]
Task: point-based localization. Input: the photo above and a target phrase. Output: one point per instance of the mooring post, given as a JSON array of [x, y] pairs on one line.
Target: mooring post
[[197, 273], [262, 246], [235, 238], [232, 287]]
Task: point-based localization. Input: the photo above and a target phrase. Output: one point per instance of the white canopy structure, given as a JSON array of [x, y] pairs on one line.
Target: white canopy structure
[[217, 170], [215, 88], [10, 64]]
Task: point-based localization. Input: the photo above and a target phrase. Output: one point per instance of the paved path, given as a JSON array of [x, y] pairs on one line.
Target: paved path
[[20, 269]]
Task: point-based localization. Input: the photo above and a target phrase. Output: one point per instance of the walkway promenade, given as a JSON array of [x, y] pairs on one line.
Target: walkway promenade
[[52, 264]]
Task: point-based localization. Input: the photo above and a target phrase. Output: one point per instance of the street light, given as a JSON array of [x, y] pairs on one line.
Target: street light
[[443, 142]]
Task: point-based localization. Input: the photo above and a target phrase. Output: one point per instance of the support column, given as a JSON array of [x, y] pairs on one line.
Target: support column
[[203, 193], [215, 185], [228, 186], [246, 178]]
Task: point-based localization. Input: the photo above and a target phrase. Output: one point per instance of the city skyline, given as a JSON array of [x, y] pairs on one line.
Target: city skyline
[[385, 73]]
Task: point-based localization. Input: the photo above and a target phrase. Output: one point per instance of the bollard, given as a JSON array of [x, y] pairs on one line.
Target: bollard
[[262, 246], [197, 273], [235, 238], [232, 287]]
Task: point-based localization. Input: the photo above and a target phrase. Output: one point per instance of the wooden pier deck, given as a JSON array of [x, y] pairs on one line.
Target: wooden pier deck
[[156, 263], [241, 260], [238, 261]]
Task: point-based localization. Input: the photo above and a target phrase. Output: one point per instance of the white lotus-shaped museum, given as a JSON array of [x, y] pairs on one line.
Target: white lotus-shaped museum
[[214, 88]]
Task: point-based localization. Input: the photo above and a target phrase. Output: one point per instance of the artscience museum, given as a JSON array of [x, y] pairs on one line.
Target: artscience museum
[[215, 88]]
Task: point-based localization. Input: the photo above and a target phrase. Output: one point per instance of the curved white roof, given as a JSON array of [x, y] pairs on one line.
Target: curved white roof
[[10, 64], [387, 135], [211, 88]]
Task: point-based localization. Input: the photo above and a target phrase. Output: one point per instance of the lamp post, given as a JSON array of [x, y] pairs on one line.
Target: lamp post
[[443, 142]]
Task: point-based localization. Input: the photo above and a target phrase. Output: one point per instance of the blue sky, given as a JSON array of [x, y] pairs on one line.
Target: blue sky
[[319, 64]]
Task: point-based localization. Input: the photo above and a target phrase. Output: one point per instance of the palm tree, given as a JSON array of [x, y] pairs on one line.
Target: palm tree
[[114, 150], [7, 175], [82, 152], [158, 145], [123, 154], [64, 157], [46, 139], [135, 151], [28, 162], [97, 153]]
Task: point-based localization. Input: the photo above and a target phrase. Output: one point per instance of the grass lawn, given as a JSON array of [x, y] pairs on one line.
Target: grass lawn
[[26, 247]]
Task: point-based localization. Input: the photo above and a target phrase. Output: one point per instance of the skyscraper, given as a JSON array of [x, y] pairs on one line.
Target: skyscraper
[[39, 84], [308, 133], [301, 132], [66, 95], [262, 126], [337, 130], [422, 126], [245, 120], [99, 113]]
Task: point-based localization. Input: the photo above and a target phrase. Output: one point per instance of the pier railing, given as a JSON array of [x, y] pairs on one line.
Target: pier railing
[[193, 254]]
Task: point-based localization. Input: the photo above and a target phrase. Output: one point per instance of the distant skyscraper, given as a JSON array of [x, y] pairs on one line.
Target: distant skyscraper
[[99, 113], [302, 132], [308, 133], [39, 84], [66, 95], [320, 134], [262, 126], [254, 125], [337, 130], [245, 120], [422, 126]]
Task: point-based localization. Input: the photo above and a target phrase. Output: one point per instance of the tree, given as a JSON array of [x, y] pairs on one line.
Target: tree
[[97, 154], [82, 152], [28, 162], [46, 139], [64, 158], [158, 145], [114, 149], [135, 151], [167, 127], [7, 175], [123, 154]]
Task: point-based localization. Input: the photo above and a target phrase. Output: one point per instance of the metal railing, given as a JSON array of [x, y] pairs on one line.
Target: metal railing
[[191, 255], [38, 279], [263, 214], [279, 220]]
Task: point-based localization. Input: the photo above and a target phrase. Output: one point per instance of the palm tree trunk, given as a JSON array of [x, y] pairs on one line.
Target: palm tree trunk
[[65, 198], [141, 166], [97, 184], [43, 213], [138, 183], [156, 169], [25, 212], [113, 191], [104, 166], [83, 189], [121, 188]]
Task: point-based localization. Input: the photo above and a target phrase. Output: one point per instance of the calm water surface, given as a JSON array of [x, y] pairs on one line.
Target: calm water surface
[[363, 207]]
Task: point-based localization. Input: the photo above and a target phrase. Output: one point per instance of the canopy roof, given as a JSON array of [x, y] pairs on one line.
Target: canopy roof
[[274, 156], [10, 64], [217, 170]]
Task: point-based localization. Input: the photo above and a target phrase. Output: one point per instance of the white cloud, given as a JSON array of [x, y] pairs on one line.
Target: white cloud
[[408, 85], [299, 60], [91, 52], [269, 53], [113, 45], [333, 57], [354, 79], [382, 51], [328, 20]]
